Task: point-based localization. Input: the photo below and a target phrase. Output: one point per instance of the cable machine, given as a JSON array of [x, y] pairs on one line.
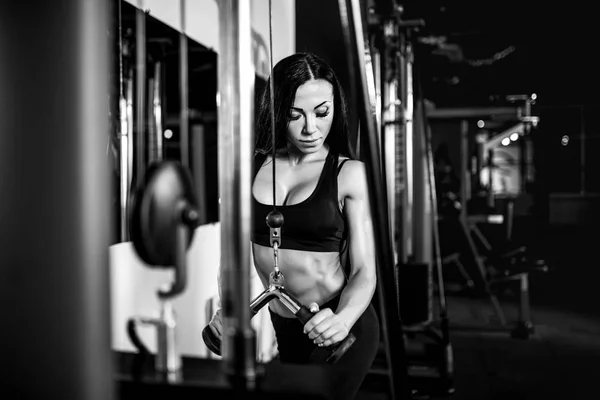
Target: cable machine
[[408, 169], [157, 210]]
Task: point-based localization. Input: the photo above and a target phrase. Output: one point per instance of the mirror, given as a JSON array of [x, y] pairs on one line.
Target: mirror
[[147, 121]]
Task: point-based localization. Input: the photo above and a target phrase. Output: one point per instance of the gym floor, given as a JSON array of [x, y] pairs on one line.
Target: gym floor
[[561, 360]]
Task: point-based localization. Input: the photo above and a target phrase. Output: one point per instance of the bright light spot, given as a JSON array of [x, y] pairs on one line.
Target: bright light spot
[[564, 140], [168, 134], [514, 136], [533, 96], [506, 141], [480, 123]]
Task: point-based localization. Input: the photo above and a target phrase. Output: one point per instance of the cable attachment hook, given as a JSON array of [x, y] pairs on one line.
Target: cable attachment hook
[[275, 222]]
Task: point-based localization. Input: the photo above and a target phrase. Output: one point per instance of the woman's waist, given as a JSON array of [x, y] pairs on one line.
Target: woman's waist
[[303, 255], [297, 265]]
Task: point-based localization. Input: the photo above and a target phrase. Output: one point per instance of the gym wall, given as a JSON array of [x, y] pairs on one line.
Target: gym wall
[[202, 21]]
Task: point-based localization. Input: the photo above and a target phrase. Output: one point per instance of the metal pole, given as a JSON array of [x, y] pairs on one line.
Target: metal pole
[[409, 115], [157, 111], [392, 139], [582, 166], [124, 171], [422, 212], [377, 78], [465, 174], [129, 142], [140, 99], [55, 213], [405, 146], [421, 226], [236, 119], [184, 131], [491, 166], [151, 153]]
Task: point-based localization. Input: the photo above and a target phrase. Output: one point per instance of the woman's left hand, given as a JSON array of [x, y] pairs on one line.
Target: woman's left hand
[[325, 328]]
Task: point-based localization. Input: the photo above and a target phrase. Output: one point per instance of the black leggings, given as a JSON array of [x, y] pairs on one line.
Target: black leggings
[[349, 371]]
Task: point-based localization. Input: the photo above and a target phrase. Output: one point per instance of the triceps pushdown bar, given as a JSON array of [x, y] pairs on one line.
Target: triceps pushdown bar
[[276, 290]]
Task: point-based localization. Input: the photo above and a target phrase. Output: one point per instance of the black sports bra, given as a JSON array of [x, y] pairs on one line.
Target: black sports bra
[[316, 224]]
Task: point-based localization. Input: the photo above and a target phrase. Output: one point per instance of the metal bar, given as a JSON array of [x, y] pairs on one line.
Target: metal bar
[[140, 100], [510, 214], [235, 139], [490, 172], [524, 302], [151, 152], [422, 216], [409, 114], [523, 164], [470, 112], [377, 69], [497, 138], [184, 131], [394, 127], [392, 331], [582, 136], [465, 174], [421, 209], [433, 221], [56, 195], [157, 110], [389, 133], [124, 136], [130, 142]]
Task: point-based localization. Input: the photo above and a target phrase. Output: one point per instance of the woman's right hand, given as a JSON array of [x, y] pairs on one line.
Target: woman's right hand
[[216, 324]]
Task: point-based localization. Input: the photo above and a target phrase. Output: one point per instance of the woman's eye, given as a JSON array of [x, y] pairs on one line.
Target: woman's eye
[[323, 114], [294, 117]]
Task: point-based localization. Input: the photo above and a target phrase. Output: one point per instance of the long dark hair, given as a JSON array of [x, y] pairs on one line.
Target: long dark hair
[[289, 74]]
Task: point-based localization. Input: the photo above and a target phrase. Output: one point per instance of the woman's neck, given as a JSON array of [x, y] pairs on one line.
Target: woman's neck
[[295, 157]]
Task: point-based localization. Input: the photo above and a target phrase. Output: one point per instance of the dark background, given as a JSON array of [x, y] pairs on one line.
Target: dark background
[[553, 47], [493, 49]]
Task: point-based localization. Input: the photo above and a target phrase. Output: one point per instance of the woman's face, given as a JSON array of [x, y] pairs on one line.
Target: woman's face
[[311, 116]]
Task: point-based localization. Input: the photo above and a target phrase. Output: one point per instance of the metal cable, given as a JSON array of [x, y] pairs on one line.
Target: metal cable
[[272, 97]]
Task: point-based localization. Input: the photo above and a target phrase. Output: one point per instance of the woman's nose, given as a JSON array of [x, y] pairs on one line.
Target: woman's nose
[[311, 125]]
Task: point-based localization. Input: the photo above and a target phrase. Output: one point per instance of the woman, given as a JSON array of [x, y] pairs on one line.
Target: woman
[[326, 252]]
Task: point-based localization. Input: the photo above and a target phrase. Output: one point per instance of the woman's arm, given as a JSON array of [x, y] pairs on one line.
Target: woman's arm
[[360, 288], [329, 328]]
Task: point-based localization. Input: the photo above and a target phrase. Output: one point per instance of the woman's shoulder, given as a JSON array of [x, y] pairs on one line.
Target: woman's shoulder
[[349, 166], [351, 175]]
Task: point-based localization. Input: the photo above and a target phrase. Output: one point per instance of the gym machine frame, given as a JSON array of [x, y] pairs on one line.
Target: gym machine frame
[[407, 166], [359, 56]]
